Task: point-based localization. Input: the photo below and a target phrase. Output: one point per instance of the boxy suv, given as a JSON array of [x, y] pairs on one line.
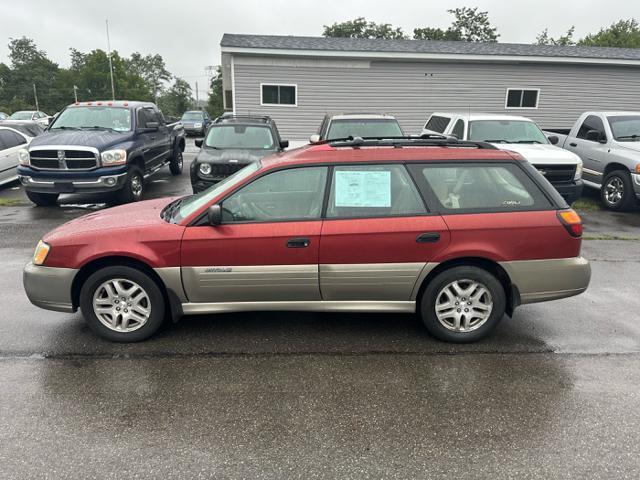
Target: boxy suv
[[457, 232]]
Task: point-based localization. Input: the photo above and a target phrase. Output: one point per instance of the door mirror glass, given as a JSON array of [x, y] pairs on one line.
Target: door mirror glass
[[215, 215], [152, 125], [199, 143], [553, 139], [595, 136]]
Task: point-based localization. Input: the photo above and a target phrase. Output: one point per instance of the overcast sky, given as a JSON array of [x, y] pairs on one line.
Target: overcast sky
[[187, 32]]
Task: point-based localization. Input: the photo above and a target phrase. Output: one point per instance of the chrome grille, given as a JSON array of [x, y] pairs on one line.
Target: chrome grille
[[71, 160]]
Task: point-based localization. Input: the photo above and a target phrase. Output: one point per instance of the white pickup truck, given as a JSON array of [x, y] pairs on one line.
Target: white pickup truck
[[519, 134], [609, 145]]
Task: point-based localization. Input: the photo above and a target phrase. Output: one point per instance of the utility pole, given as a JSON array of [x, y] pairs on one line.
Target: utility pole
[[197, 97], [75, 93], [35, 94], [113, 90]]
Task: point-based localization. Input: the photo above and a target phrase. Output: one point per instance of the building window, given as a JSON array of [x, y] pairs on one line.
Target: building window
[[279, 95], [521, 98], [228, 99]]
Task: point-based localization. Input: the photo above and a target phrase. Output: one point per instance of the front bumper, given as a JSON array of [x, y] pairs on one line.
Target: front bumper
[[544, 280], [570, 191], [95, 181], [49, 287], [635, 177]]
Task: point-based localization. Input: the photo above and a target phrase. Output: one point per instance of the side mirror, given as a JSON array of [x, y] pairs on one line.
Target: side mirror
[[284, 144], [553, 139], [596, 136], [199, 143], [215, 215], [314, 138], [152, 125]]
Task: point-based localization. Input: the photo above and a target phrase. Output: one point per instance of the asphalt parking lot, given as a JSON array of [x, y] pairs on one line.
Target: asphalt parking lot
[[554, 393]]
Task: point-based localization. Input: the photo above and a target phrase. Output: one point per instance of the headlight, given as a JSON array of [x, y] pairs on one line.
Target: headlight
[[40, 255], [205, 168], [114, 157], [197, 125], [578, 174], [23, 156]]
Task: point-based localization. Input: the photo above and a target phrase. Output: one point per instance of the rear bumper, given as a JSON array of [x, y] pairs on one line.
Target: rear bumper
[[96, 181], [544, 280], [570, 191], [49, 287]]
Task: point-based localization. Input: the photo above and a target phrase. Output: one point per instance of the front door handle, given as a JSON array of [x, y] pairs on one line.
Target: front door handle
[[298, 243], [573, 144], [431, 237]]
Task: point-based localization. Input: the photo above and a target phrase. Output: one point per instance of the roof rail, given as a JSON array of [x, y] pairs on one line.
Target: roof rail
[[227, 117], [425, 140]]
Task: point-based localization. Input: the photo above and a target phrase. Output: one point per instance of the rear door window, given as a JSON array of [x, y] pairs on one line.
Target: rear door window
[[364, 191], [469, 187], [437, 123]]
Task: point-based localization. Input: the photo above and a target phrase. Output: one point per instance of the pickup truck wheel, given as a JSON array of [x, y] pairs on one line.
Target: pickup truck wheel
[[462, 304], [43, 199], [617, 191], [133, 188], [122, 304], [177, 162]]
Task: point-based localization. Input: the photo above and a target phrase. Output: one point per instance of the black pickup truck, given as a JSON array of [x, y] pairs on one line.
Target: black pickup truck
[[108, 148]]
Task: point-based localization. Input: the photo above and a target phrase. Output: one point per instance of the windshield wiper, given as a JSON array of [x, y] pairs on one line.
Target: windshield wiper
[[167, 212], [631, 137], [527, 141], [64, 128], [495, 141], [97, 127]]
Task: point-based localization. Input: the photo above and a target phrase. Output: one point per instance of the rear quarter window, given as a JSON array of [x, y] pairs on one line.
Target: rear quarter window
[[473, 187]]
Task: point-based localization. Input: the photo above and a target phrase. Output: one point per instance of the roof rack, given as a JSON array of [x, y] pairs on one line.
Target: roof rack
[[425, 140], [226, 117]]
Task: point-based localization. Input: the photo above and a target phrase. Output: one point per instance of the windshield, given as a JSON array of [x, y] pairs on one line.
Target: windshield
[[193, 203], [625, 127], [192, 116], [108, 118], [21, 116], [370, 127], [506, 131], [240, 136]]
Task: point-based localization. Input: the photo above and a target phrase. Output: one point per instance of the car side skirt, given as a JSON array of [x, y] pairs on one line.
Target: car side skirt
[[301, 306]]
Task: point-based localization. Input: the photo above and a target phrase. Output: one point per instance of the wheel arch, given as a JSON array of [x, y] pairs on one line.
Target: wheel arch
[[511, 291], [612, 167], [174, 306]]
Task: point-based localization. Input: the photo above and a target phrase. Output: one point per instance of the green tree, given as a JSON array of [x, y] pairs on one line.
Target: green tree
[[152, 69], [545, 39], [623, 33], [473, 26], [429, 33], [215, 104], [177, 99], [361, 28]]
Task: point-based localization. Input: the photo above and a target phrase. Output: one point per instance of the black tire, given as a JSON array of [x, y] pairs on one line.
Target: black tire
[[617, 191], [133, 189], [462, 274], [177, 161], [43, 199], [155, 297]]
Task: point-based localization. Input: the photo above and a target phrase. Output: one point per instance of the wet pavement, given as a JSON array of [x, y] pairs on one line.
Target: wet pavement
[[554, 393]]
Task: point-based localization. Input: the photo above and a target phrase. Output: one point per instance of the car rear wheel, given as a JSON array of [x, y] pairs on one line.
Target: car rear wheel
[[617, 191], [43, 199], [462, 304], [122, 304], [133, 189], [177, 162]]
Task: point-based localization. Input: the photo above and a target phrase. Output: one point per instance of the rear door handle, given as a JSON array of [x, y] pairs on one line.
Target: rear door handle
[[431, 237], [298, 243], [573, 144]]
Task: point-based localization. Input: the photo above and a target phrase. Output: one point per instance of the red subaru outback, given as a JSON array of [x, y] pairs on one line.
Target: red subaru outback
[[457, 232]]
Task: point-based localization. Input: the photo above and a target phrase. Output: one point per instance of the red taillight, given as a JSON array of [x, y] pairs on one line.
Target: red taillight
[[571, 222]]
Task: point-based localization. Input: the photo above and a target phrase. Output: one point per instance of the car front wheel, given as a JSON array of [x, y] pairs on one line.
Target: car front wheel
[[133, 189], [617, 191], [122, 304], [177, 162], [462, 304]]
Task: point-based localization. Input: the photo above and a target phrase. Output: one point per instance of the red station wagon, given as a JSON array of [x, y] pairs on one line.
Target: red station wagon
[[458, 232]]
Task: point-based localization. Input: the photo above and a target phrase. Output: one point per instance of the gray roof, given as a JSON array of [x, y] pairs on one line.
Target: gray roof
[[281, 42]]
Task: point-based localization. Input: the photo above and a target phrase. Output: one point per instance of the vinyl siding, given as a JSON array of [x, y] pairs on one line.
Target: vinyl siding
[[413, 90]]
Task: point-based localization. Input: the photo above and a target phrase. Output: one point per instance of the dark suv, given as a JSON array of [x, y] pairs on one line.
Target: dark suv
[[232, 142]]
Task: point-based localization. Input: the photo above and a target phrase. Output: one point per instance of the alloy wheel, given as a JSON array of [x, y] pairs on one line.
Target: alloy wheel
[[463, 305], [121, 305], [614, 190]]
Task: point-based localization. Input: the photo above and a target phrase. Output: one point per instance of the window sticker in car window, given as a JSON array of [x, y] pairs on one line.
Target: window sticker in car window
[[363, 189]]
